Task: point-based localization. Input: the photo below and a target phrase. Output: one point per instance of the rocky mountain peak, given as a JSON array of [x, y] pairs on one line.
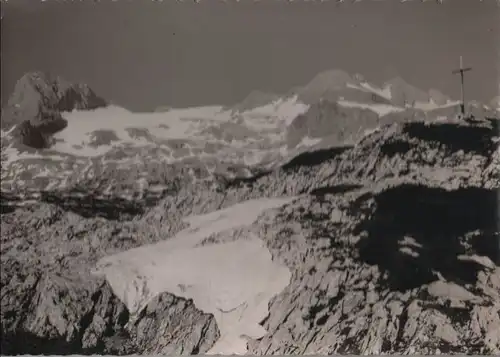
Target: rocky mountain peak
[[51, 92], [36, 103], [328, 80]]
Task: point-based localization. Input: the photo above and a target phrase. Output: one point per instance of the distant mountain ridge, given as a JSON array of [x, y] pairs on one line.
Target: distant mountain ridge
[[36, 117], [336, 84]]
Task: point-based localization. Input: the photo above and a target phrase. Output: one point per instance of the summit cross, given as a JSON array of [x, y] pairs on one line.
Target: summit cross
[[462, 70]]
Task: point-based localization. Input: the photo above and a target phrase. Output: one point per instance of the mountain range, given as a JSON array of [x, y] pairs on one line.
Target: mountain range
[[339, 217]]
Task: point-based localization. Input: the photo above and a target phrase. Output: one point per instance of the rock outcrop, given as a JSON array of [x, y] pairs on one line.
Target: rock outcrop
[[51, 302], [328, 120], [34, 109]]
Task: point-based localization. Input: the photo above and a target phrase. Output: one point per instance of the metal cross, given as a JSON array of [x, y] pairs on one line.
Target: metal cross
[[462, 70]]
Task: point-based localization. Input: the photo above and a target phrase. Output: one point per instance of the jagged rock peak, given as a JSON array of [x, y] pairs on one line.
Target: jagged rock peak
[[70, 95], [35, 107], [37, 92], [330, 84]]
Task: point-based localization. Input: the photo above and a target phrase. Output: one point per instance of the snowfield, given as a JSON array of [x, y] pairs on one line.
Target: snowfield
[[380, 109], [283, 110], [431, 105], [97, 132], [384, 92], [384, 109], [76, 139], [115, 136], [234, 280]]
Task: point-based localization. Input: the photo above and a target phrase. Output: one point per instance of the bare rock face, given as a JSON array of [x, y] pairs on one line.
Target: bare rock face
[[56, 314], [36, 103], [52, 304], [328, 119], [71, 318], [173, 326], [37, 135], [375, 274], [407, 264]]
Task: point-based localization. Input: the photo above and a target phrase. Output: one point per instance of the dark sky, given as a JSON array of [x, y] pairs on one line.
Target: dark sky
[[142, 54]]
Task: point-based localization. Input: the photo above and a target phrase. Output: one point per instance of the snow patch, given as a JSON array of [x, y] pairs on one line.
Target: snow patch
[[308, 142], [6, 133], [370, 131], [380, 109], [283, 109], [233, 281], [431, 105], [367, 87]]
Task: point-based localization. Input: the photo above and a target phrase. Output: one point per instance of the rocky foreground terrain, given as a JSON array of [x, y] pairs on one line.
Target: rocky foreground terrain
[[391, 238]]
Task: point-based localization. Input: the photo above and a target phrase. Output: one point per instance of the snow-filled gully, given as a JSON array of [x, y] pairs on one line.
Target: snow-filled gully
[[234, 281]]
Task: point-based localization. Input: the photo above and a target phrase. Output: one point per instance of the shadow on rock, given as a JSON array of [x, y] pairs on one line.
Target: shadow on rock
[[243, 181], [395, 147], [415, 232], [335, 189], [82, 202], [475, 139], [87, 205], [37, 133], [313, 158], [8, 203], [24, 342]]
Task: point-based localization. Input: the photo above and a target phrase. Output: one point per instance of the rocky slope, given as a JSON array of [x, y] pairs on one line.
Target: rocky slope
[[392, 243]]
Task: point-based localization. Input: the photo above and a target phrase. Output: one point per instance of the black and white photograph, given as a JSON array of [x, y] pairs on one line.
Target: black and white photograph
[[250, 177]]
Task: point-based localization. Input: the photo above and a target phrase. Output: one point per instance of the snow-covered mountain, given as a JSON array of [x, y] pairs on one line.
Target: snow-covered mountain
[[340, 217], [57, 135], [49, 122]]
